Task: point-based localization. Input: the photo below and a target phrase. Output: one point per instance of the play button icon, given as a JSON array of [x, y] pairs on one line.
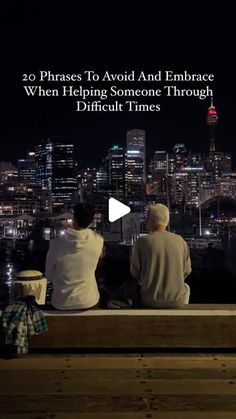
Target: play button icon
[[116, 209]]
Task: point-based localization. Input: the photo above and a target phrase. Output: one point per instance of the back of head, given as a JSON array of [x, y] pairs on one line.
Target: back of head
[[83, 215], [159, 215]]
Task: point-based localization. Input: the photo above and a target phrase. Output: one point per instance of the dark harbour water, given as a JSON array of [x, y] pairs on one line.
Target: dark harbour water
[[17, 257], [210, 282]]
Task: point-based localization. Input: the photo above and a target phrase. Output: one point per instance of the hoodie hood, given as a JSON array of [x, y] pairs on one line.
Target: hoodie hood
[[77, 239]]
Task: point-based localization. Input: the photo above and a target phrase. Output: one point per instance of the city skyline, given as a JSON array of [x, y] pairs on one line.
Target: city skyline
[[97, 160], [50, 179]]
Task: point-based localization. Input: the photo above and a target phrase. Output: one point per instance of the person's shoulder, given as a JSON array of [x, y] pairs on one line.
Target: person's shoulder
[[143, 239], [97, 235], [179, 238], [175, 236]]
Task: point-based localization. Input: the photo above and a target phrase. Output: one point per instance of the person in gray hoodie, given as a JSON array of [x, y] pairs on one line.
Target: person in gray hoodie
[[160, 263], [71, 263]]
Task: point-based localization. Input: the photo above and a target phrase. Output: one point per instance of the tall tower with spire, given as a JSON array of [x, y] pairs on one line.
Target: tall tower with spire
[[218, 162], [212, 120]]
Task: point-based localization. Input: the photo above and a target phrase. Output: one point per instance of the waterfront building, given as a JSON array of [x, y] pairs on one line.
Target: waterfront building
[[18, 207], [18, 198], [27, 171], [8, 172]]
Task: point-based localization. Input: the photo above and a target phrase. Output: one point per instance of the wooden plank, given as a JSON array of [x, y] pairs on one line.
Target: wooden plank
[[123, 415], [69, 387], [138, 331], [119, 374], [95, 362], [124, 403], [186, 307], [56, 384]]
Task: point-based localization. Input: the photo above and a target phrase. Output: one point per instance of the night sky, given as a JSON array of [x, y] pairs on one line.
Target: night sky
[[39, 36]]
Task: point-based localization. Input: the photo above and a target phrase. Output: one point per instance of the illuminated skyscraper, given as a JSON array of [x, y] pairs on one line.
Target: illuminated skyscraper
[[177, 178], [102, 179], [158, 175], [196, 172], [56, 172], [217, 162], [158, 162], [27, 172], [87, 181], [43, 161], [64, 182], [179, 156], [135, 168], [136, 146], [116, 170]]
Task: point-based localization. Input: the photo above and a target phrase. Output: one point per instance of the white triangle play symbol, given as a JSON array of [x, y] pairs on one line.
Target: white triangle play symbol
[[116, 209]]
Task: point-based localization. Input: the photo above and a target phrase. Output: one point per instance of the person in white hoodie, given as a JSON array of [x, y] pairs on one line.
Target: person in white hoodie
[[71, 263]]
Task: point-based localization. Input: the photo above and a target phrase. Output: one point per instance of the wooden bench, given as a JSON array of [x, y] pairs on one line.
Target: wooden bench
[[191, 326]]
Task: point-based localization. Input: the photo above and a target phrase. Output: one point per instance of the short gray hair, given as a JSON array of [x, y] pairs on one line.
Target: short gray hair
[[159, 213]]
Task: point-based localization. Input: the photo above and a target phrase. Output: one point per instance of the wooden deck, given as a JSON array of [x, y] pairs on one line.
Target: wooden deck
[[137, 386]]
